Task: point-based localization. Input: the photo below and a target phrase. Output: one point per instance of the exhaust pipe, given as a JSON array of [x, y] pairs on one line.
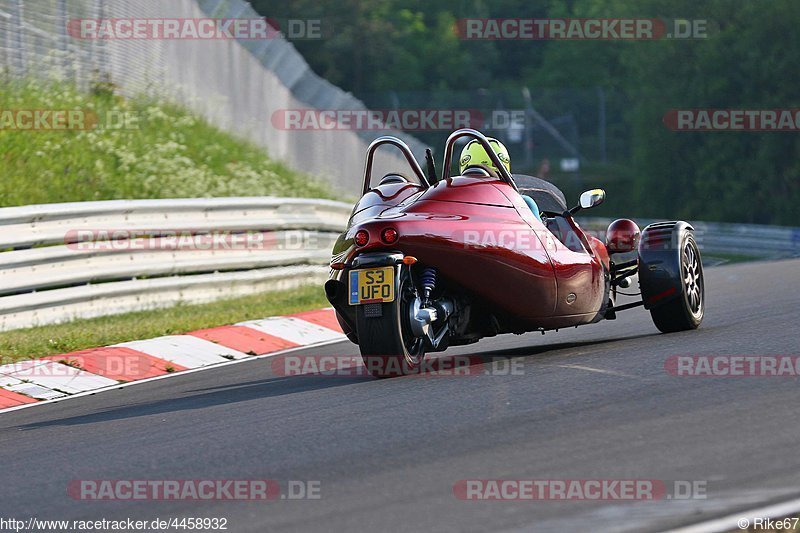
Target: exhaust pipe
[[333, 290]]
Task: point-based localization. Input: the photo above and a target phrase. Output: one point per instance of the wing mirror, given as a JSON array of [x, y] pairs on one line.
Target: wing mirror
[[590, 199]]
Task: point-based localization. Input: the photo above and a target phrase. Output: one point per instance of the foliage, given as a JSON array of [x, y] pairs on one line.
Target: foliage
[[750, 59], [162, 152]]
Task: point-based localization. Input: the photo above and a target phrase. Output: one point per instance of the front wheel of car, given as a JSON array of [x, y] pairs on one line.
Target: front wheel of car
[[685, 312]]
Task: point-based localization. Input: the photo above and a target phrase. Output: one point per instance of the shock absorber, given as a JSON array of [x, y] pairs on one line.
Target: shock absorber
[[428, 282]]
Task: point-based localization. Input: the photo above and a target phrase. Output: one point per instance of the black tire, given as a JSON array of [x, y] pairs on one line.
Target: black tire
[[685, 312], [388, 348]]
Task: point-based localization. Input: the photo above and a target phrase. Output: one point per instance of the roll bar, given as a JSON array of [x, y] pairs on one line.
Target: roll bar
[[394, 141], [505, 175]]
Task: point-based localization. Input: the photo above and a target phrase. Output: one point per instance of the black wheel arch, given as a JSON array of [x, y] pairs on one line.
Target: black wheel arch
[[659, 256]]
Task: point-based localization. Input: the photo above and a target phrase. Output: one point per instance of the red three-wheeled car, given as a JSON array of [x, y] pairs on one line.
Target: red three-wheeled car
[[429, 262]]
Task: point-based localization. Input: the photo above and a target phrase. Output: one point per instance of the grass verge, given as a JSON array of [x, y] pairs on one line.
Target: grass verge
[[81, 334], [136, 148]]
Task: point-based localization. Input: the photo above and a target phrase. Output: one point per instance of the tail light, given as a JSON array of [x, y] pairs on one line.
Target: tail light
[[362, 237], [390, 235]]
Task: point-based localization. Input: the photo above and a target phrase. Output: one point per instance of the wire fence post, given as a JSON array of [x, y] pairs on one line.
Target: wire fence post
[[99, 63], [17, 29], [63, 44]]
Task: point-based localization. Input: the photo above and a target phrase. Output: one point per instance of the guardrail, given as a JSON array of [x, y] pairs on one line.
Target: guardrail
[[742, 240], [82, 260]]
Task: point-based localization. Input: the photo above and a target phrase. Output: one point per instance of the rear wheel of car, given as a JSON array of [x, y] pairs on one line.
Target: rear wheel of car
[[388, 347], [685, 312]]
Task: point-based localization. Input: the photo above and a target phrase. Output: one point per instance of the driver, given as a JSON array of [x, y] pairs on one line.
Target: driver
[[474, 156], [475, 161]]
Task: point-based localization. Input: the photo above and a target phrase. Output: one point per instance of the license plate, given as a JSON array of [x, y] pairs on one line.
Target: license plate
[[374, 285]]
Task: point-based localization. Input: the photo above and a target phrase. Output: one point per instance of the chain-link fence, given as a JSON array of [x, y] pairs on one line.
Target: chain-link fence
[[238, 85]]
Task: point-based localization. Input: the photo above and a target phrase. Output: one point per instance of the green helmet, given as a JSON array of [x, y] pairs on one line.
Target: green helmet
[[475, 154]]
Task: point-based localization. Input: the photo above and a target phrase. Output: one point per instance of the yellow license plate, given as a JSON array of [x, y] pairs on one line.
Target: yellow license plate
[[374, 285]]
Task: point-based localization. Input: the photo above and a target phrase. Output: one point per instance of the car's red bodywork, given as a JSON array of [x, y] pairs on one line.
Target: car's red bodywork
[[480, 234], [433, 263]]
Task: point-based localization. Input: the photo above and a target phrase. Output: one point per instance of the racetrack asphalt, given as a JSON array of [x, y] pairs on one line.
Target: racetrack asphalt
[[589, 403]]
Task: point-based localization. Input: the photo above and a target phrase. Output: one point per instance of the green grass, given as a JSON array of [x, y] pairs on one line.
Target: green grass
[[166, 153], [82, 334]]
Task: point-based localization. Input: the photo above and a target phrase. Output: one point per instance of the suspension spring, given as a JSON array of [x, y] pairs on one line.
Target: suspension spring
[[428, 282]]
